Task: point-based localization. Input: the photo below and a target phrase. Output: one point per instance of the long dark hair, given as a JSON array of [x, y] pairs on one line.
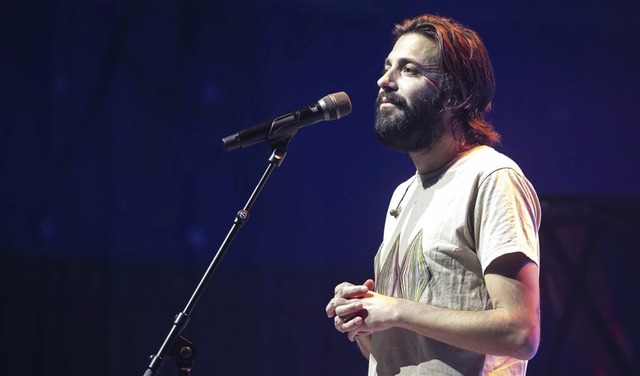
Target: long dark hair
[[469, 82]]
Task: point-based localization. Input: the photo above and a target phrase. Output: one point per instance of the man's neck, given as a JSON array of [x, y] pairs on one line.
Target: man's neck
[[439, 154]]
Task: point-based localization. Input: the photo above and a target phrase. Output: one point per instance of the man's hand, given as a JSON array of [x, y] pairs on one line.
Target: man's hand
[[346, 307]]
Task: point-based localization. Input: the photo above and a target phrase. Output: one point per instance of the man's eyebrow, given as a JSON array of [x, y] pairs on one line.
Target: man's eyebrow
[[429, 65], [402, 61]]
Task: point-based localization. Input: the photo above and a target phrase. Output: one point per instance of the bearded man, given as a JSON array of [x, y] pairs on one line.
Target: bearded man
[[456, 288]]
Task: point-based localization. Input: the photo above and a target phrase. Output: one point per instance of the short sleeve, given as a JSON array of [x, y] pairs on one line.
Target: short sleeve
[[506, 217]]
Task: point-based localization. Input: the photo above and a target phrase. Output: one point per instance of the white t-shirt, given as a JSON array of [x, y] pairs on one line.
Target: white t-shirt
[[446, 228]]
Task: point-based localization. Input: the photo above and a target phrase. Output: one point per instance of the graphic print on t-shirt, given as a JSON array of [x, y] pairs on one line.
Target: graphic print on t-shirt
[[405, 280]]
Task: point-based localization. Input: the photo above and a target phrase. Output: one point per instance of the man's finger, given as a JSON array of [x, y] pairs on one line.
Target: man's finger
[[348, 309]]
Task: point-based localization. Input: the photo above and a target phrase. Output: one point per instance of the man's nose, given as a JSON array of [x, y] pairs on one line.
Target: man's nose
[[387, 81]]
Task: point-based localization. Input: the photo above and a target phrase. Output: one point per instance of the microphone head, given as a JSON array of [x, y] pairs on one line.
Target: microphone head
[[338, 105]]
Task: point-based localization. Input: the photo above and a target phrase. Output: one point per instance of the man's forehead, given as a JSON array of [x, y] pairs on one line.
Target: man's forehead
[[413, 46]]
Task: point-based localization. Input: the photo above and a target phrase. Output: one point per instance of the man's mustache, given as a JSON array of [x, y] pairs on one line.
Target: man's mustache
[[391, 97]]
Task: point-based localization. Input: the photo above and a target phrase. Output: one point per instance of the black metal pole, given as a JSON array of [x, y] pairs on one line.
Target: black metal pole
[[174, 345]]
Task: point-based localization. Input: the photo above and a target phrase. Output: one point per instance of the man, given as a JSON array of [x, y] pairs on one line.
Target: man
[[456, 289]]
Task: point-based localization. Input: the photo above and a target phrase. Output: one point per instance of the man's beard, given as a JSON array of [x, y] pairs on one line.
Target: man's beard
[[407, 128]]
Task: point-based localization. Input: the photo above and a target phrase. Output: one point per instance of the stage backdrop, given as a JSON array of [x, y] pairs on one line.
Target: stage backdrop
[[115, 190]]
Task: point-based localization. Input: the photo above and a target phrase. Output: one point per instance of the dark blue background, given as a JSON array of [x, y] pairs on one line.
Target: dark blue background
[[116, 192]]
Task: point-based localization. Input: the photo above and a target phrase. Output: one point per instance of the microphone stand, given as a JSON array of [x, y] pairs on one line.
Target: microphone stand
[[174, 345]]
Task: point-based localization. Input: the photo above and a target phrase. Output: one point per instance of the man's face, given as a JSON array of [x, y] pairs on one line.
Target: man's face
[[409, 104]]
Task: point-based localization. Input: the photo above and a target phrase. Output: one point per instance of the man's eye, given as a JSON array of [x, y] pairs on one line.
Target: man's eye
[[410, 70]]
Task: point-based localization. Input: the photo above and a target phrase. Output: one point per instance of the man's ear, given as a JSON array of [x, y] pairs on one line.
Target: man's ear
[[450, 91]]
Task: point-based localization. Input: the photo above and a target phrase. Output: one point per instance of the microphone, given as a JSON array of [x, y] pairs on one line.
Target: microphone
[[331, 107]]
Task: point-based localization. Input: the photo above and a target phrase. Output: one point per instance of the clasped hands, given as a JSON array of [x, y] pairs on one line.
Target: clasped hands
[[356, 309]]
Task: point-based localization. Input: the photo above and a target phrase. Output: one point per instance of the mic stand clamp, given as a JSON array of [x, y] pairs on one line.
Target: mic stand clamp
[[184, 353]]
